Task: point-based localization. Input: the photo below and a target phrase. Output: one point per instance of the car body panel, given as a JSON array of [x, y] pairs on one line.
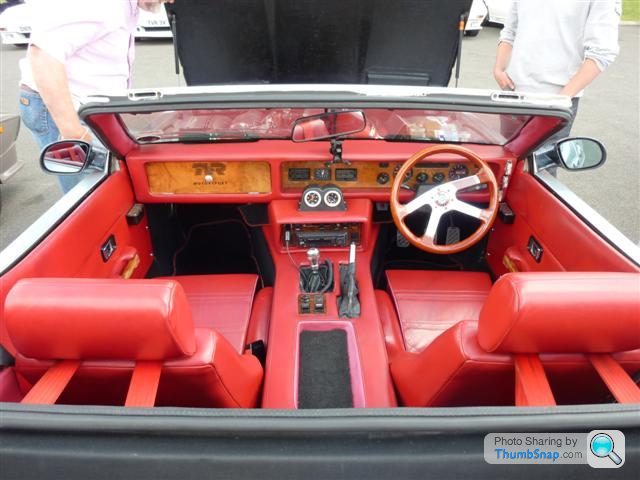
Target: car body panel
[[9, 130]]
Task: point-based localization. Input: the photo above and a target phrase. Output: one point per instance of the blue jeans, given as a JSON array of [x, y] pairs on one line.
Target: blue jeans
[[38, 120]]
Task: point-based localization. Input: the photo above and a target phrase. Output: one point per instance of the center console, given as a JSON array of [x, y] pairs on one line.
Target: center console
[[324, 295]]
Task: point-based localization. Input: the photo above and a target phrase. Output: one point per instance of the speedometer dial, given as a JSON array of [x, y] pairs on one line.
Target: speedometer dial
[[459, 170]]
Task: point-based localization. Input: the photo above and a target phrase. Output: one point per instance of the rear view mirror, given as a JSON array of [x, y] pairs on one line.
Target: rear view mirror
[[66, 157], [580, 153], [328, 125]]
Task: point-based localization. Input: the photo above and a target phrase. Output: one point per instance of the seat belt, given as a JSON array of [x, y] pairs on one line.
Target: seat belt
[[48, 389], [617, 380], [532, 386], [144, 384]]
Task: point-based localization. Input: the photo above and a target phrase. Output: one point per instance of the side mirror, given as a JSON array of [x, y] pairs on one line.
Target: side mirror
[[328, 125], [66, 157], [580, 153]]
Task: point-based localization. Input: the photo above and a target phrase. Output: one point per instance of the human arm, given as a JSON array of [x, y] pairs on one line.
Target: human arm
[[50, 77], [60, 33], [505, 47], [502, 62], [587, 74], [600, 45]]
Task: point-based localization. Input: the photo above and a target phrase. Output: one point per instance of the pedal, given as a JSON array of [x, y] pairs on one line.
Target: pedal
[[401, 242], [453, 235]]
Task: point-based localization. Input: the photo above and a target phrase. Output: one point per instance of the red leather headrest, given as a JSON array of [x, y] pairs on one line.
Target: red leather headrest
[[90, 319], [562, 313]]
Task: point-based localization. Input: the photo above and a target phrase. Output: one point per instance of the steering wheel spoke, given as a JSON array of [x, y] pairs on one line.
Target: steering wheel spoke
[[467, 182], [429, 236], [415, 204], [468, 209]]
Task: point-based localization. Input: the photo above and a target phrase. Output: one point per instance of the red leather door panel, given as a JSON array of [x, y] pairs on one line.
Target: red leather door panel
[[73, 248], [567, 242]]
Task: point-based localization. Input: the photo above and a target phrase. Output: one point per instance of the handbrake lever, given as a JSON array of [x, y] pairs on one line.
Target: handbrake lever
[[348, 302]]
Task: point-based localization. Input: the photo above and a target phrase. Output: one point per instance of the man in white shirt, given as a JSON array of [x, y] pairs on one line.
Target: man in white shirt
[[78, 48], [557, 46]]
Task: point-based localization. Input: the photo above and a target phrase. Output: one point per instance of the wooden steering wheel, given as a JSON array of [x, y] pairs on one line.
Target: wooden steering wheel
[[442, 199]]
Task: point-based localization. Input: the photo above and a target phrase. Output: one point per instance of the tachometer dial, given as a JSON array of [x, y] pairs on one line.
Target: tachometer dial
[[459, 170]]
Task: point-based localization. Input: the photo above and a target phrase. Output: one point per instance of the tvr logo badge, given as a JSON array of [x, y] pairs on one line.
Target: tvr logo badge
[[208, 170]]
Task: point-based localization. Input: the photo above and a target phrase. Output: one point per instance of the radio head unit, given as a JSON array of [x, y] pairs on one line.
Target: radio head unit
[[308, 235]]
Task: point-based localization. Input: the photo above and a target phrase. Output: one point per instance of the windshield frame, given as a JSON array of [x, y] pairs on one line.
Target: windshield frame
[[321, 96]]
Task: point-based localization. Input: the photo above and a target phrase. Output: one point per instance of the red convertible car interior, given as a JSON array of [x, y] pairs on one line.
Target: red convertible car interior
[[225, 274], [390, 259]]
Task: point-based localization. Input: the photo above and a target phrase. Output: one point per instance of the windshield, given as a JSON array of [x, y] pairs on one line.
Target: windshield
[[277, 123]]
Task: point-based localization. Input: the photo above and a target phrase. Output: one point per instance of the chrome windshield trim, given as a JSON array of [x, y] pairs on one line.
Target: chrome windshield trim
[[39, 229], [596, 221]]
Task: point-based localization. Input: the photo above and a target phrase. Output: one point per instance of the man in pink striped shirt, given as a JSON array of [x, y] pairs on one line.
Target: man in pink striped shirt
[[78, 48]]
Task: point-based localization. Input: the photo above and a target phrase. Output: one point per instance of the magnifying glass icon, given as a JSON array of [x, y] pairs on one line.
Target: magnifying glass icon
[[602, 446]]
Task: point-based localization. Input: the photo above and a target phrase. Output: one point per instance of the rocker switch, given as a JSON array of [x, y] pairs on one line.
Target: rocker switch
[[107, 248]]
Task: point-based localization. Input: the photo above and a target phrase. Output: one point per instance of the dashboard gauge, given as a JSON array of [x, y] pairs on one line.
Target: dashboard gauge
[[459, 170], [407, 176], [383, 178], [438, 177], [333, 198], [422, 177], [312, 198], [322, 174]]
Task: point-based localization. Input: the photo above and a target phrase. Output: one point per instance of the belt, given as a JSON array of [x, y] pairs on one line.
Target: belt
[[28, 89]]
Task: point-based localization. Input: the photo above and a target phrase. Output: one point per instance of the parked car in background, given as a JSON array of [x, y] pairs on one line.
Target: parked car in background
[[16, 23], [475, 18], [496, 11], [9, 164]]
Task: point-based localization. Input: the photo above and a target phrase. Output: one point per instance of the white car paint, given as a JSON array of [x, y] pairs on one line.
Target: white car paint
[[497, 11], [15, 25], [477, 15]]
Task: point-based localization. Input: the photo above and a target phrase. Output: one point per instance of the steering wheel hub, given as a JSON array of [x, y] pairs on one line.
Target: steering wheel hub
[[443, 198]]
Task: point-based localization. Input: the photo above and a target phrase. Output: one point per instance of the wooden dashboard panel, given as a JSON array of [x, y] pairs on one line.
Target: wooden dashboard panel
[[370, 175], [209, 177]]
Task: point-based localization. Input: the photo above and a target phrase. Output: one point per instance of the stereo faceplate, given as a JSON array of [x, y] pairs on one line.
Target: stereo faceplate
[[309, 235]]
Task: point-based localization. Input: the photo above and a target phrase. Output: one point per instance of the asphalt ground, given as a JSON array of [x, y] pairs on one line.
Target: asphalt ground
[[609, 111]]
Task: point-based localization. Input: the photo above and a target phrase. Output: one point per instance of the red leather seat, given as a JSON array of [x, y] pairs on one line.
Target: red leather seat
[[429, 302], [567, 318], [225, 304], [111, 325]]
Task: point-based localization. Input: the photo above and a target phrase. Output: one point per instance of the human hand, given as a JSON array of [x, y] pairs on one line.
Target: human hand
[[77, 133], [503, 80]]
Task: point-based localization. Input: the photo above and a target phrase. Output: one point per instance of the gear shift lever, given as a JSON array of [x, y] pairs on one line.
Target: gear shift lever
[[313, 255], [317, 277]]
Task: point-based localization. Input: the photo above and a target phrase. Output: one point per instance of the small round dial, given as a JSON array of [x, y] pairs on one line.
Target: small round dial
[[312, 198], [459, 170], [422, 177], [438, 177], [383, 178], [407, 176], [332, 198]]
